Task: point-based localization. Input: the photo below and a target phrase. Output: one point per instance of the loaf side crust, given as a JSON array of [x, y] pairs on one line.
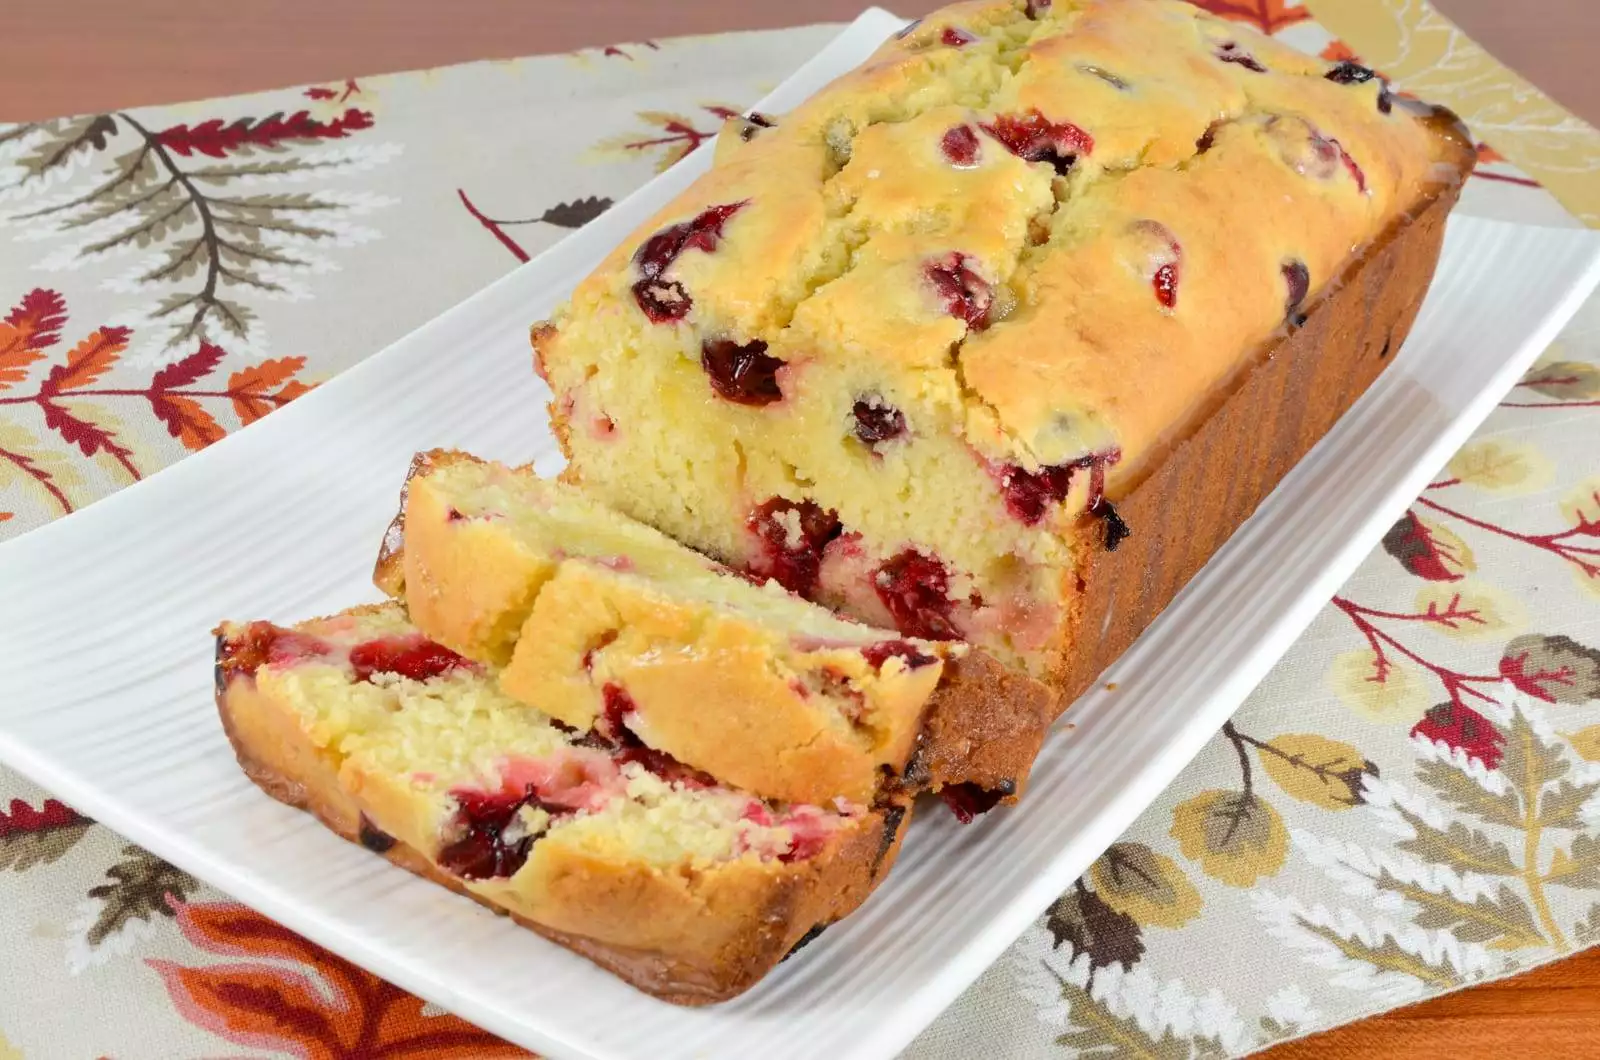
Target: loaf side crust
[[761, 917], [1278, 407]]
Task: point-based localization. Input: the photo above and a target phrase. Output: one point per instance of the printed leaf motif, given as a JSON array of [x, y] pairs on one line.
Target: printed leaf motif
[[1269, 16], [65, 138], [27, 331], [30, 837], [1578, 865], [1460, 791], [1587, 930], [672, 135], [1461, 728], [1235, 835], [1377, 688], [284, 995], [1469, 610], [191, 369], [186, 420], [1501, 920], [577, 213], [140, 886], [1534, 767], [251, 388], [1146, 886], [1565, 380], [1385, 954], [93, 430], [1501, 466], [1586, 743], [1096, 1026], [24, 459], [1561, 806], [1581, 508], [1459, 847], [1428, 550], [216, 140], [1317, 770], [1555, 669], [1081, 919], [88, 361]]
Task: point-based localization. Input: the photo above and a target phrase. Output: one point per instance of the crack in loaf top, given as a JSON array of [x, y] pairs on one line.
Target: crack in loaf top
[[1071, 222]]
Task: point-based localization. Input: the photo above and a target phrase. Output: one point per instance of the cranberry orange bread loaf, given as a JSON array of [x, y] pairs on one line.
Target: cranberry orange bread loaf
[[1000, 336], [688, 889], [607, 624]]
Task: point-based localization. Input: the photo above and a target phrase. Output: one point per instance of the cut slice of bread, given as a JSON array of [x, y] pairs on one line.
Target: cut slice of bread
[[604, 622], [686, 888]]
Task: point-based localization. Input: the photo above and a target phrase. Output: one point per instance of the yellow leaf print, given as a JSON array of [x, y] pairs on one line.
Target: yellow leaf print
[[1149, 887], [1501, 466], [1378, 689], [1586, 743], [1581, 507], [1236, 836], [9, 1051], [1471, 610], [1317, 770]]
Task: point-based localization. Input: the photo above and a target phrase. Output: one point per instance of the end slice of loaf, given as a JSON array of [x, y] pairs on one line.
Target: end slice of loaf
[[687, 889], [604, 622]]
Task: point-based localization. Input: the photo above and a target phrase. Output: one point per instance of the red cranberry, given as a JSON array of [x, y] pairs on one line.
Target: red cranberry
[[1035, 138], [412, 657], [1117, 531], [960, 146], [374, 838], [1157, 248], [967, 801], [617, 706], [1207, 138], [1165, 282], [881, 652], [1349, 73], [1229, 52], [743, 373], [1298, 279], [804, 846], [664, 766], [877, 421], [1350, 164], [792, 535], [755, 122], [966, 295], [1029, 494], [1035, 8], [956, 37], [1464, 728], [916, 591], [262, 643], [481, 851], [662, 300]]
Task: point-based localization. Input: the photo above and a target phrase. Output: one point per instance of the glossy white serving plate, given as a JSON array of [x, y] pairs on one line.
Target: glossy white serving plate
[[105, 654]]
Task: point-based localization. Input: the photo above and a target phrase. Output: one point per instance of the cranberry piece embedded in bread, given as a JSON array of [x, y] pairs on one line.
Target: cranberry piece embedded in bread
[[965, 294], [662, 300], [1035, 138], [915, 589], [877, 421], [1230, 52], [743, 373], [1298, 280], [1029, 494], [492, 843], [1346, 72], [956, 37], [1350, 164], [883, 651], [967, 801], [792, 535], [960, 146], [413, 657]]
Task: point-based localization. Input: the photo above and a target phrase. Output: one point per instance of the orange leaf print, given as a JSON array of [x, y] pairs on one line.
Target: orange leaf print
[[251, 388], [1489, 154], [27, 331], [1269, 16], [324, 1009], [1338, 51], [88, 361], [186, 420]]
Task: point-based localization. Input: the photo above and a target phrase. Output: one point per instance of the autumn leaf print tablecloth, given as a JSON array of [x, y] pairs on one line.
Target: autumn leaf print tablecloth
[[1410, 803]]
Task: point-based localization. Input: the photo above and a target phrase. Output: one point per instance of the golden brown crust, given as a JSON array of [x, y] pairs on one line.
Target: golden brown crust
[[698, 952], [1211, 481]]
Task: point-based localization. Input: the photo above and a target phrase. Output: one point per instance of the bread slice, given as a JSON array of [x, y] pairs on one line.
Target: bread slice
[[686, 888], [604, 622]]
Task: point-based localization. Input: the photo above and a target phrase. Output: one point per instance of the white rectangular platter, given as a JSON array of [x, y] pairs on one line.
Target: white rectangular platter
[[105, 654]]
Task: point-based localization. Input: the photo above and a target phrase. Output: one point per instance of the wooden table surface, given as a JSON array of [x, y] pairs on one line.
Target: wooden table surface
[[72, 56]]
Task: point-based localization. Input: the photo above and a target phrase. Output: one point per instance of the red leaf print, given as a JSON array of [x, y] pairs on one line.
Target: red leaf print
[[1459, 726], [191, 369], [27, 330], [1269, 16], [217, 140], [1419, 551], [89, 437], [186, 420], [326, 1008], [88, 361], [24, 818]]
